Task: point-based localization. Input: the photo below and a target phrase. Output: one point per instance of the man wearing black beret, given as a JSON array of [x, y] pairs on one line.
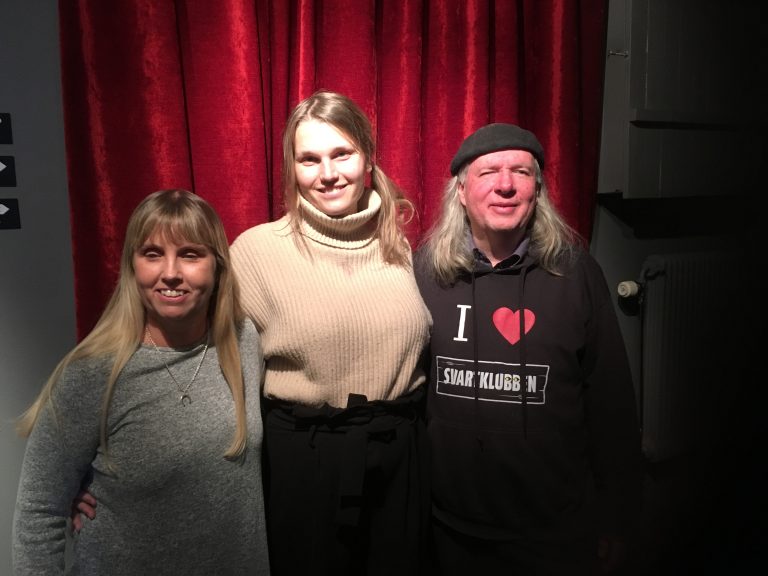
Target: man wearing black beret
[[531, 409]]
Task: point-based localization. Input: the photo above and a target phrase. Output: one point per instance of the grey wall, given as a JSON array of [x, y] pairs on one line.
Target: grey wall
[[37, 320]]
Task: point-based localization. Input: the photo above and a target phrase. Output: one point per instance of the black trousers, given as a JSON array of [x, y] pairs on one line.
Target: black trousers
[[347, 490]]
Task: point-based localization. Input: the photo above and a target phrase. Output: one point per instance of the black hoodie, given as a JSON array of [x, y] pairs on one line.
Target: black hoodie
[[557, 458]]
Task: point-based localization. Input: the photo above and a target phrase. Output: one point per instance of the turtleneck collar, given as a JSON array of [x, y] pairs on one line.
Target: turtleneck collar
[[349, 232]]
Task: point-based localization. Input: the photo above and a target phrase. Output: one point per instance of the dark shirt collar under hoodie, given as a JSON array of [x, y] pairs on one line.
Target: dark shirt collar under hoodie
[[482, 266]]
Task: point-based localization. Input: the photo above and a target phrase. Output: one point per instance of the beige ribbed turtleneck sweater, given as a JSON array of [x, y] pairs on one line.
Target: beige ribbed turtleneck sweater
[[335, 318]]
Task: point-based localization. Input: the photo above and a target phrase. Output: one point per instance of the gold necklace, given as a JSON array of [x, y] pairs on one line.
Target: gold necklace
[[184, 398]]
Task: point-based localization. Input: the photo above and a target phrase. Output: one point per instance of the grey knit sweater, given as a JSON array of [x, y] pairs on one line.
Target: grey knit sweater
[[168, 500]]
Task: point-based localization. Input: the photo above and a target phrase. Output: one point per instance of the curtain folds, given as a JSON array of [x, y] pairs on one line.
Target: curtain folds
[[194, 94]]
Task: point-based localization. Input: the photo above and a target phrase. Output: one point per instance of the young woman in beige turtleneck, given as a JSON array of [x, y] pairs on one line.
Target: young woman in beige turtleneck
[[330, 287]]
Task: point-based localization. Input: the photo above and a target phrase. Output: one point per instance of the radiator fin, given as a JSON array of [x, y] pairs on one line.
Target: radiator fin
[[685, 358]]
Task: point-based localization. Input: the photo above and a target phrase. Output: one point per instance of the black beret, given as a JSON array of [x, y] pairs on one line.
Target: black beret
[[495, 137]]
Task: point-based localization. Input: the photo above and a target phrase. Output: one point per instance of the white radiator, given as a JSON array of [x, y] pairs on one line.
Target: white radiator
[[684, 362]]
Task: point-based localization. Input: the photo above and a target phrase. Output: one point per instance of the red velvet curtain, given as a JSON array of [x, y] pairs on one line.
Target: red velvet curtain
[[194, 94]]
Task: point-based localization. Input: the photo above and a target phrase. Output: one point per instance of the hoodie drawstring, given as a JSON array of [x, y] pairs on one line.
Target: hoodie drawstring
[[523, 366], [476, 404]]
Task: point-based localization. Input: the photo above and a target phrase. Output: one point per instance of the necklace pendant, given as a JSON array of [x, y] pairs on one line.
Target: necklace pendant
[[185, 398]]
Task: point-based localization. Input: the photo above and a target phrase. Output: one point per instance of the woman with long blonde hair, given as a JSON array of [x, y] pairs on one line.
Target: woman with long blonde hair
[[330, 287], [157, 412]]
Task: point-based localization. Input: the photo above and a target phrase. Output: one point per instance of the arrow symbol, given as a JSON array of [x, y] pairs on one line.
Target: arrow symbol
[[4, 209], [2, 166]]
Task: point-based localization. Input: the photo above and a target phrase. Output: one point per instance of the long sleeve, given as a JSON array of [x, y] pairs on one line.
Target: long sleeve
[[58, 455]]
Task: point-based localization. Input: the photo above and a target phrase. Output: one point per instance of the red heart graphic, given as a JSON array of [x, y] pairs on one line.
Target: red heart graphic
[[507, 322]]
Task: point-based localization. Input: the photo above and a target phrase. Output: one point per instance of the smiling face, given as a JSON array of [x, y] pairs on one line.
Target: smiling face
[[330, 171], [499, 195], [176, 280]]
